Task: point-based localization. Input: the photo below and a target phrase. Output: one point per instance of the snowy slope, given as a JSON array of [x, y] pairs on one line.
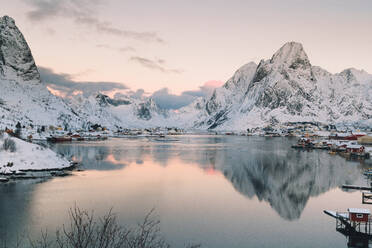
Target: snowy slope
[[287, 88], [28, 157]]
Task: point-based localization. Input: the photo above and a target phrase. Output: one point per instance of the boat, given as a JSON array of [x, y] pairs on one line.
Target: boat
[[4, 180], [346, 136]]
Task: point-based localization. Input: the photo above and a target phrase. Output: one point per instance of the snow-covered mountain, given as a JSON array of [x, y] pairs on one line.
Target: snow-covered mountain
[[121, 111], [286, 88], [25, 99]]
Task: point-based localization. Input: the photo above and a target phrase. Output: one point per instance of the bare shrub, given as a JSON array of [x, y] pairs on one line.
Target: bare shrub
[[18, 243], [84, 231], [9, 145], [147, 234]]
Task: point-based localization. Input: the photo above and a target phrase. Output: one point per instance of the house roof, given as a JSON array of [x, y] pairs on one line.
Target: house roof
[[359, 211], [354, 146]]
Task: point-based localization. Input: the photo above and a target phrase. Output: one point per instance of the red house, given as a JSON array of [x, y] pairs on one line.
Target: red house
[[355, 148], [359, 214]]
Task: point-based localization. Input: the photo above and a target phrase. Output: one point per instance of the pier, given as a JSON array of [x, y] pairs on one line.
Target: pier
[[356, 187], [355, 221], [366, 196]]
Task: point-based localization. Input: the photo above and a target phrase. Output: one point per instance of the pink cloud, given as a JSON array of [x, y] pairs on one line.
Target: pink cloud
[[213, 84]]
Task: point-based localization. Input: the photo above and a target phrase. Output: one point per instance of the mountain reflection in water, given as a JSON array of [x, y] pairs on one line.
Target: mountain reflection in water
[[265, 168]]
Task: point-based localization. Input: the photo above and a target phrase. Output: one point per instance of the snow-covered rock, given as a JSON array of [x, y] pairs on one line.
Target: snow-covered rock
[[15, 55], [287, 88], [28, 156], [23, 98]]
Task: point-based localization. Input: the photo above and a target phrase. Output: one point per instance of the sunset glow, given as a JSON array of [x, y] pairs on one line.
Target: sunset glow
[[142, 49]]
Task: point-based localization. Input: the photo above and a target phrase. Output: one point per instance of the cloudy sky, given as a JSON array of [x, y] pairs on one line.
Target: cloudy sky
[[182, 48]]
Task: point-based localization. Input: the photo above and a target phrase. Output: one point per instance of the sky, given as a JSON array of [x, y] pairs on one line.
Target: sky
[[182, 49]]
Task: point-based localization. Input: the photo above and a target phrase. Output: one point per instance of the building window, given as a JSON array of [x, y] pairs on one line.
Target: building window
[[359, 216]]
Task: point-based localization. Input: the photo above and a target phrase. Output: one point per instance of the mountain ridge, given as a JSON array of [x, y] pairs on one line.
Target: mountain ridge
[[287, 88], [284, 88]]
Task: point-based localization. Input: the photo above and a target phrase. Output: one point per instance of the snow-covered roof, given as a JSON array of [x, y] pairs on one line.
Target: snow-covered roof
[[359, 133], [354, 146], [344, 215], [342, 134], [359, 211]]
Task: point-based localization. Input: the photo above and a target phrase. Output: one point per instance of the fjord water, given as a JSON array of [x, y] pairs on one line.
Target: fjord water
[[220, 191]]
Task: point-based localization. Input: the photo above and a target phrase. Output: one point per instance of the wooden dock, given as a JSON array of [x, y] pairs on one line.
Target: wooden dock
[[356, 187], [345, 225]]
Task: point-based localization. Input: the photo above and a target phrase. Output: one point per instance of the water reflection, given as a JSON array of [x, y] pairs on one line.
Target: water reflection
[[264, 168], [219, 190], [357, 241], [284, 178], [14, 206], [94, 156]]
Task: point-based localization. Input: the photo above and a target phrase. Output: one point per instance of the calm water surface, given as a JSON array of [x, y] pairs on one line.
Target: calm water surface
[[220, 191]]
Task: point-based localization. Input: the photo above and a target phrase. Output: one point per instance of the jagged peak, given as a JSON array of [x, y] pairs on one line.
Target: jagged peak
[[6, 20], [243, 74], [354, 71], [292, 54], [355, 75], [248, 65], [247, 68], [15, 55]]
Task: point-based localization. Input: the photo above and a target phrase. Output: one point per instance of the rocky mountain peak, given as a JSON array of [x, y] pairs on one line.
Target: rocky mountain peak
[[353, 75], [6, 20], [102, 100], [16, 60], [291, 54], [287, 88]]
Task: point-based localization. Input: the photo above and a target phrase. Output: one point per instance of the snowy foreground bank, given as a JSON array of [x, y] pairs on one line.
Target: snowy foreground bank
[[18, 156]]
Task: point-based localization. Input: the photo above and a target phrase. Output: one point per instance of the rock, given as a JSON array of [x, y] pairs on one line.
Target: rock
[[15, 55]]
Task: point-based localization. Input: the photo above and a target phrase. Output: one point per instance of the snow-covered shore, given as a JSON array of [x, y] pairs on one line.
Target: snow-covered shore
[[28, 157]]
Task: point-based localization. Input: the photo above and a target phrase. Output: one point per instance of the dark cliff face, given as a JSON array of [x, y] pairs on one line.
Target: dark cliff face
[[15, 55], [105, 101]]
